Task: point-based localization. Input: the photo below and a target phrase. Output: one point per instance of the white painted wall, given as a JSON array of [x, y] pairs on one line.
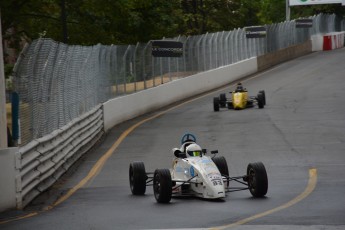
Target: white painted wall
[[124, 108], [7, 178]]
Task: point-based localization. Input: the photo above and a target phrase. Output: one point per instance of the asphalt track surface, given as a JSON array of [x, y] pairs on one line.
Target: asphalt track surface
[[299, 136]]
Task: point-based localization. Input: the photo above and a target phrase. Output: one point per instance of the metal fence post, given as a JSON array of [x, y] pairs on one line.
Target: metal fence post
[[204, 49], [124, 61]]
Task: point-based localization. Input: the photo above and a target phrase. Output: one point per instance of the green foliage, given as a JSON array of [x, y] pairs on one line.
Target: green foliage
[[201, 16], [8, 70], [89, 22], [272, 11]]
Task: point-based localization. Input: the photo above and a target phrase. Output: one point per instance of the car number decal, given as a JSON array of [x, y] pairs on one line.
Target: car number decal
[[215, 178], [217, 182]]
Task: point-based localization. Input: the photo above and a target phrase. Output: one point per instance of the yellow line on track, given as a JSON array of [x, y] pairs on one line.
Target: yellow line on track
[[19, 218], [309, 189]]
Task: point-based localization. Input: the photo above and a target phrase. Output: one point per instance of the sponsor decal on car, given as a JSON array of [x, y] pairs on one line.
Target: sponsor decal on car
[[178, 169], [210, 169], [206, 161], [191, 170]]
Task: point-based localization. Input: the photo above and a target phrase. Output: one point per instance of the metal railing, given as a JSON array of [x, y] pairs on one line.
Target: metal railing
[[57, 82], [41, 162]]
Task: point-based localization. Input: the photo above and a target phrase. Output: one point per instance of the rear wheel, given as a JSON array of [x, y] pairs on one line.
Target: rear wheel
[[230, 106], [216, 104], [137, 178], [257, 179], [264, 95], [222, 100], [162, 185], [261, 102]]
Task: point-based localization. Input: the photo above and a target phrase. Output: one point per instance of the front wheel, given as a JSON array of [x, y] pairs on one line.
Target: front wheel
[[221, 164], [137, 178], [162, 185], [257, 179]]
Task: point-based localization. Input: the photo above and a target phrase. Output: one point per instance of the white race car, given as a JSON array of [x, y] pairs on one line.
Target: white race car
[[195, 174]]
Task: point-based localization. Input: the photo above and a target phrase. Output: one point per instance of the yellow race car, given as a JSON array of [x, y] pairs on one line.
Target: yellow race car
[[239, 100]]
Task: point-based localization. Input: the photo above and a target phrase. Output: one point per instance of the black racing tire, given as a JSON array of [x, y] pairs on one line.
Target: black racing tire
[[216, 104], [222, 100], [162, 185], [260, 99], [263, 93], [257, 179], [137, 178], [221, 164], [230, 106]]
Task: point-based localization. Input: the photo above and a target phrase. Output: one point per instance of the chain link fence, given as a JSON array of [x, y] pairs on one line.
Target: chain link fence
[[57, 82]]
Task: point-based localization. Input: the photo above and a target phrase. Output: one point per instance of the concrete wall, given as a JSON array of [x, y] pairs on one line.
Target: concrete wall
[[271, 59], [8, 178], [124, 108]]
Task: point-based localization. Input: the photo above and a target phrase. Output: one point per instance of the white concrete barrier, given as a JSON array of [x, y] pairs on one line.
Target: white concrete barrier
[[8, 178], [317, 42], [124, 108]]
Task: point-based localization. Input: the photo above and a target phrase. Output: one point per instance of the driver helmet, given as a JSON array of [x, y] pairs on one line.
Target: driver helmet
[[239, 86], [194, 150]]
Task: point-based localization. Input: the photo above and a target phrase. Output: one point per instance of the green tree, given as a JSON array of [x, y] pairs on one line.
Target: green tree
[[272, 11], [88, 22], [249, 13], [201, 16]]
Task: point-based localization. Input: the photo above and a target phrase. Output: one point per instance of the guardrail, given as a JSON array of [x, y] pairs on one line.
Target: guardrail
[[44, 160]]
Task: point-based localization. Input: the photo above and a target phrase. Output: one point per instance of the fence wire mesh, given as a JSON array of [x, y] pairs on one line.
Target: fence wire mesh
[[58, 82]]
